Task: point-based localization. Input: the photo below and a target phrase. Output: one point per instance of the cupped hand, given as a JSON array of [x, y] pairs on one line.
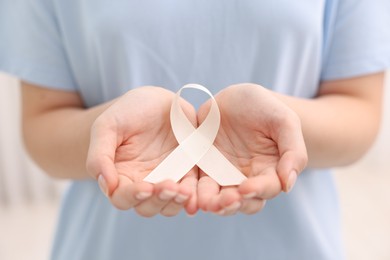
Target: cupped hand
[[262, 137], [128, 140]]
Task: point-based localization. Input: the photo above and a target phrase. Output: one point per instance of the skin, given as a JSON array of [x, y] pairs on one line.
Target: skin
[[128, 143], [263, 138], [338, 126], [115, 144]]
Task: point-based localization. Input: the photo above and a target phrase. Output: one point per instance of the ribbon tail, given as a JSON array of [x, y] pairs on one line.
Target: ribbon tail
[[214, 164], [173, 167]]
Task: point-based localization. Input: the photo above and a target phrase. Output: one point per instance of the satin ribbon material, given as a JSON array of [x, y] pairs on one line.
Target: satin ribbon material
[[196, 147]]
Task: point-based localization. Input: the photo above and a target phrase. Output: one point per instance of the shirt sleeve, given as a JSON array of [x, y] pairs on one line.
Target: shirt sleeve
[[359, 39], [31, 47]]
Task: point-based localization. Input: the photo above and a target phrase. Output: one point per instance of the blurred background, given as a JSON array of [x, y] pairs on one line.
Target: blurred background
[[29, 200]]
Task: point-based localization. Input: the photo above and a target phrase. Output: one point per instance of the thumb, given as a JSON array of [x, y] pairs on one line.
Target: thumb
[[293, 155], [101, 156], [290, 165]]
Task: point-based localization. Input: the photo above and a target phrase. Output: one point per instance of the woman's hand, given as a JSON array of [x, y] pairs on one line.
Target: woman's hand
[[262, 137], [128, 141], [259, 133]]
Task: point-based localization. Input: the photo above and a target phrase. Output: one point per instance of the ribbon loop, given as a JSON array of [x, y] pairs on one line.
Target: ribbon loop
[[195, 147]]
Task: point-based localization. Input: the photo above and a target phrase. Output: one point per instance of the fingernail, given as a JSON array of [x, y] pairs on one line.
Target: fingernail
[[291, 180], [180, 198], [143, 195], [249, 195], [103, 184], [167, 194], [235, 206]]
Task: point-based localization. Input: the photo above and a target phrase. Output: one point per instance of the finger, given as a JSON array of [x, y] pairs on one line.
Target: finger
[[228, 202], [191, 181], [252, 206], [186, 193], [293, 154], [289, 167], [207, 190], [266, 185], [164, 193], [101, 156], [128, 194], [171, 209]]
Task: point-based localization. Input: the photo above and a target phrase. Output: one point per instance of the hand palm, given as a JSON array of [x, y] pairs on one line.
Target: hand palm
[[251, 150], [141, 152], [128, 141], [253, 135], [258, 134]]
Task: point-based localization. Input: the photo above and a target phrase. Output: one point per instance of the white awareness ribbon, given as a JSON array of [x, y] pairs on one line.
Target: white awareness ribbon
[[196, 147]]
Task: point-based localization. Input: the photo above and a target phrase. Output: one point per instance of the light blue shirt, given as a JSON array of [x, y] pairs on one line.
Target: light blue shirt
[[104, 48]]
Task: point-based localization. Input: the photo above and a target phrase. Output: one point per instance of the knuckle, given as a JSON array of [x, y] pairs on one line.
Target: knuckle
[[119, 200], [253, 206], [170, 213], [145, 213], [119, 204]]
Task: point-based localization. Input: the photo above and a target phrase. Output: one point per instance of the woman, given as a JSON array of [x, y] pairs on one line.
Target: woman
[[92, 74]]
